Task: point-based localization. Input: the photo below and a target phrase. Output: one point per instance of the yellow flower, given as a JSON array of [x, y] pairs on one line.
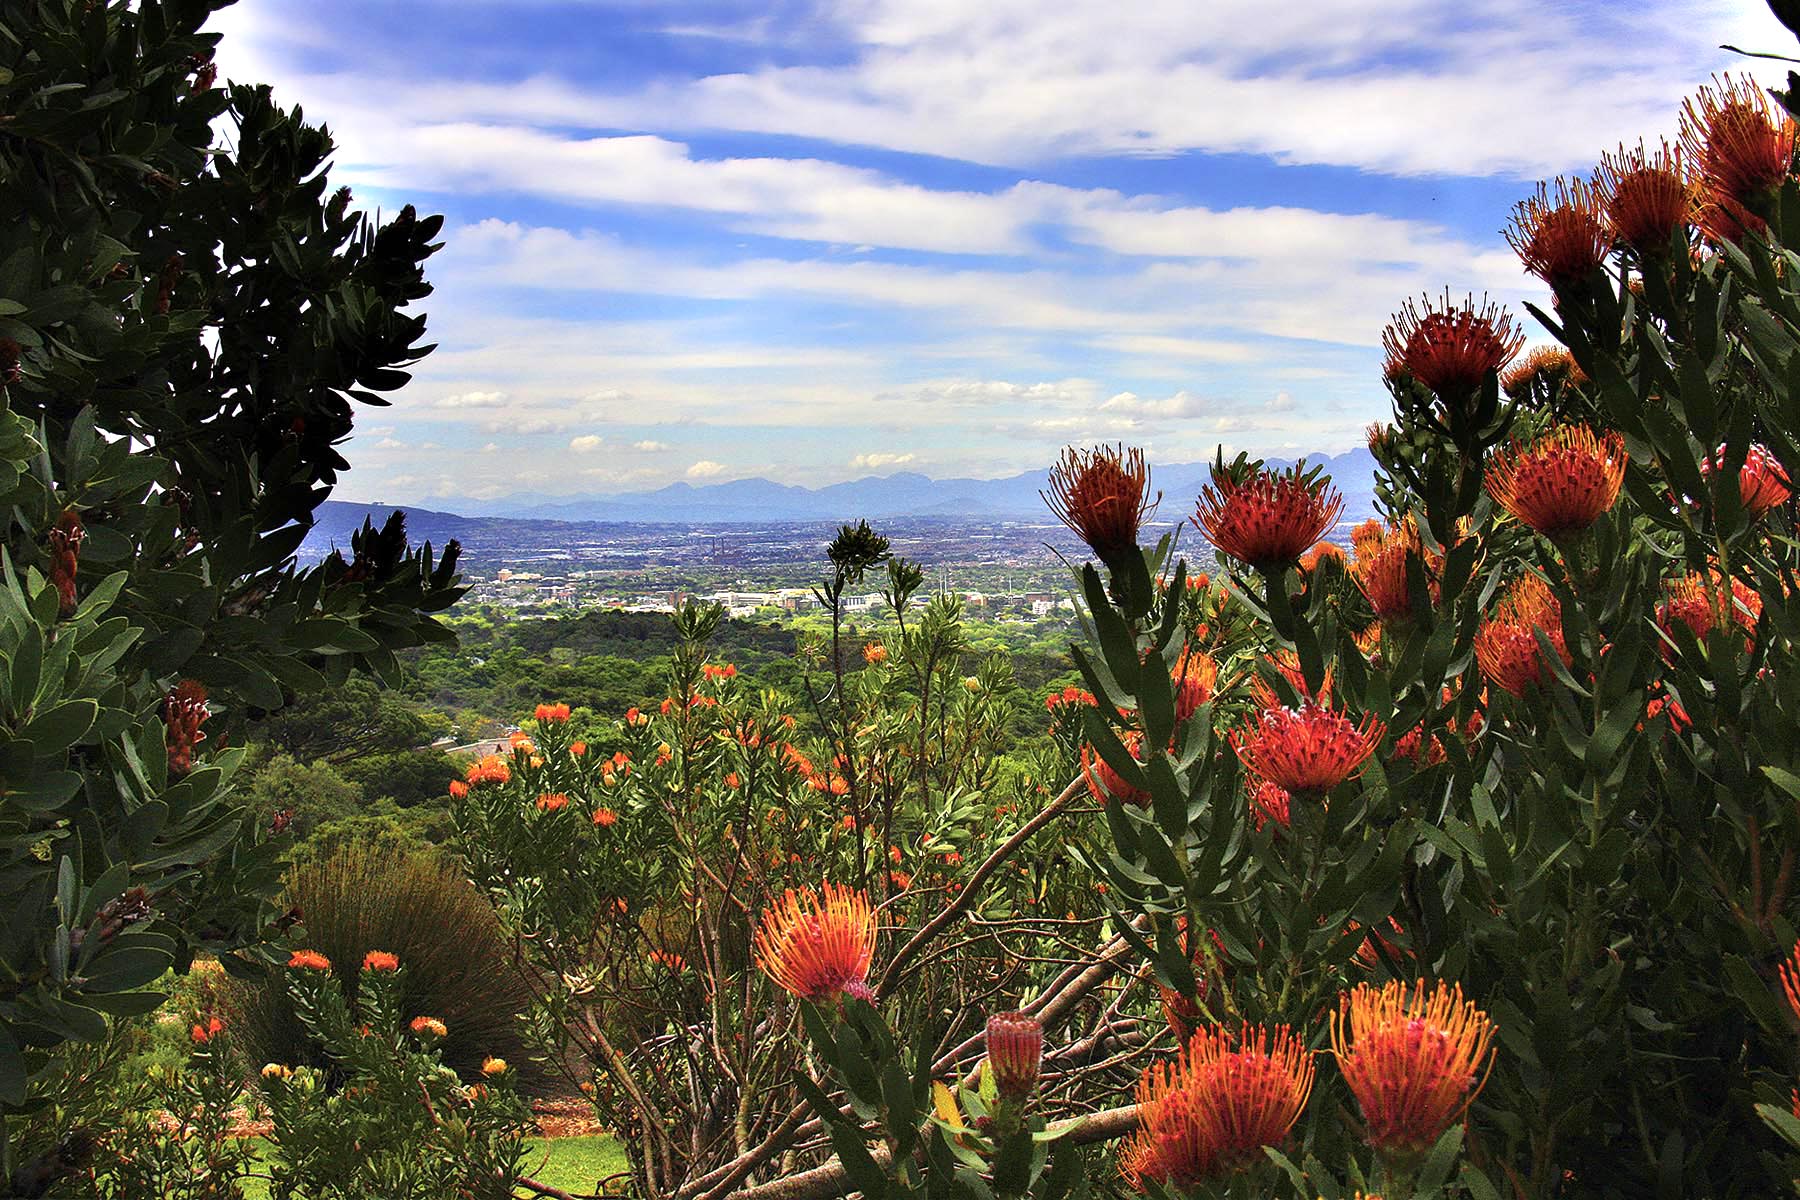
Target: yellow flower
[[491, 1066]]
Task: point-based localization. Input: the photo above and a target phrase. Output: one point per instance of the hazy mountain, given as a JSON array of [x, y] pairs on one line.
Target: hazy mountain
[[905, 494]]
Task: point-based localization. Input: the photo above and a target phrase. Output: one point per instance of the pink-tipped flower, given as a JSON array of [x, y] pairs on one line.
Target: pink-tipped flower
[[1762, 483], [818, 945], [1015, 1052]]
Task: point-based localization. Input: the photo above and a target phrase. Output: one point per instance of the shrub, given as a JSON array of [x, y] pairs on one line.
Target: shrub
[[361, 898]]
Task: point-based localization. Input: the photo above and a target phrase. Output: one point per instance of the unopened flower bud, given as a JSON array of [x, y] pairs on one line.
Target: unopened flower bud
[[1015, 1050]]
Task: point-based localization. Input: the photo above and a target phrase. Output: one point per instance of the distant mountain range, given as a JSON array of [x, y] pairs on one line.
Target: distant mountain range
[[904, 494], [760, 501]]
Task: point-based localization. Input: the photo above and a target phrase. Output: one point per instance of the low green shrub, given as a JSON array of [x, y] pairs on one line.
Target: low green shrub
[[363, 897]]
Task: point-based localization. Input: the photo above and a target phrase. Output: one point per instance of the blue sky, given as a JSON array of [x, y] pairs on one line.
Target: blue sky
[[817, 239]]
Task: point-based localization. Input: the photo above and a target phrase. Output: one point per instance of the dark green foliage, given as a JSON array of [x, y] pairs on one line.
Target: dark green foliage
[[184, 330], [368, 896]]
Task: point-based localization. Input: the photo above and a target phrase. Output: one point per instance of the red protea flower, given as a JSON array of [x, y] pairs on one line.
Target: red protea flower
[[1015, 1051], [184, 711], [1506, 645], [490, 768], [1561, 241], [65, 538], [1270, 518], [201, 1034], [552, 714], [1140, 1162], [1762, 483], [1646, 196], [1741, 147], [1562, 482], [1790, 980], [1413, 1059], [1103, 495], [1452, 349], [1367, 537], [1307, 750], [309, 960], [1227, 1095], [875, 654], [380, 960], [816, 945], [551, 802], [1287, 663], [1069, 697], [1702, 604], [1196, 679], [1106, 785], [428, 1025], [1380, 570], [1552, 365], [1270, 802]]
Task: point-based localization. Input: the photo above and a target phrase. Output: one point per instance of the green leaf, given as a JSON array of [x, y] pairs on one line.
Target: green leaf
[[56, 729]]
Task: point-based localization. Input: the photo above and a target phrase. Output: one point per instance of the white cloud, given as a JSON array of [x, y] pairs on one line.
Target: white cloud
[[587, 443], [649, 447], [1181, 404], [870, 462], [472, 400], [389, 443], [705, 469]]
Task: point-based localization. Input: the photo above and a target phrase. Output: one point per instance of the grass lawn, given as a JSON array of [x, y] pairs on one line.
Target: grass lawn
[[574, 1165]]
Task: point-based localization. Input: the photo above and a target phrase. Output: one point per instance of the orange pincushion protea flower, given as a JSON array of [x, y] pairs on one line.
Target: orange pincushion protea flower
[[1561, 483], [1196, 678], [551, 802], [1140, 1163], [1646, 197], [1561, 241], [1366, 538], [1551, 364], [1380, 570], [1450, 349], [1413, 1059], [1790, 979], [1287, 663], [1320, 551], [1506, 646], [552, 714], [380, 960], [816, 945], [875, 654], [1741, 147], [1702, 604], [1308, 750], [1269, 519], [309, 960], [1212, 1110], [1270, 802], [1106, 785], [1103, 495], [1762, 483], [489, 768]]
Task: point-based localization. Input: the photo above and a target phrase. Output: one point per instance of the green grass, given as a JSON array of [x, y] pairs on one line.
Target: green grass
[[575, 1164]]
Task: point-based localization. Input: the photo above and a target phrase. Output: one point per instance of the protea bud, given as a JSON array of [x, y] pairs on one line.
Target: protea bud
[[1015, 1050], [184, 710], [65, 540]]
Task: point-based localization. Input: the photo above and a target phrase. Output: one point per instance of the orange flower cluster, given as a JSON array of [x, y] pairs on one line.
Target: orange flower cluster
[[551, 802], [65, 538], [875, 654], [1069, 697], [1414, 1060], [1320, 551], [1551, 365], [1702, 604], [1450, 349], [817, 945], [380, 960], [1196, 679], [1106, 785], [1211, 1111], [1103, 496], [1307, 750], [1646, 196], [1762, 483], [309, 960], [184, 711], [429, 1025], [201, 1034], [458, 789], [1741, 147], [605, 818], [1506, 645], [552, 714], [1561, 483], [1380, 569], [713, 671], [1270, 519], [1562, 240], [490, 768]]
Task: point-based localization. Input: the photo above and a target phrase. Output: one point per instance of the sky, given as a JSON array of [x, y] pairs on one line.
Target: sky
[[813, 240]]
